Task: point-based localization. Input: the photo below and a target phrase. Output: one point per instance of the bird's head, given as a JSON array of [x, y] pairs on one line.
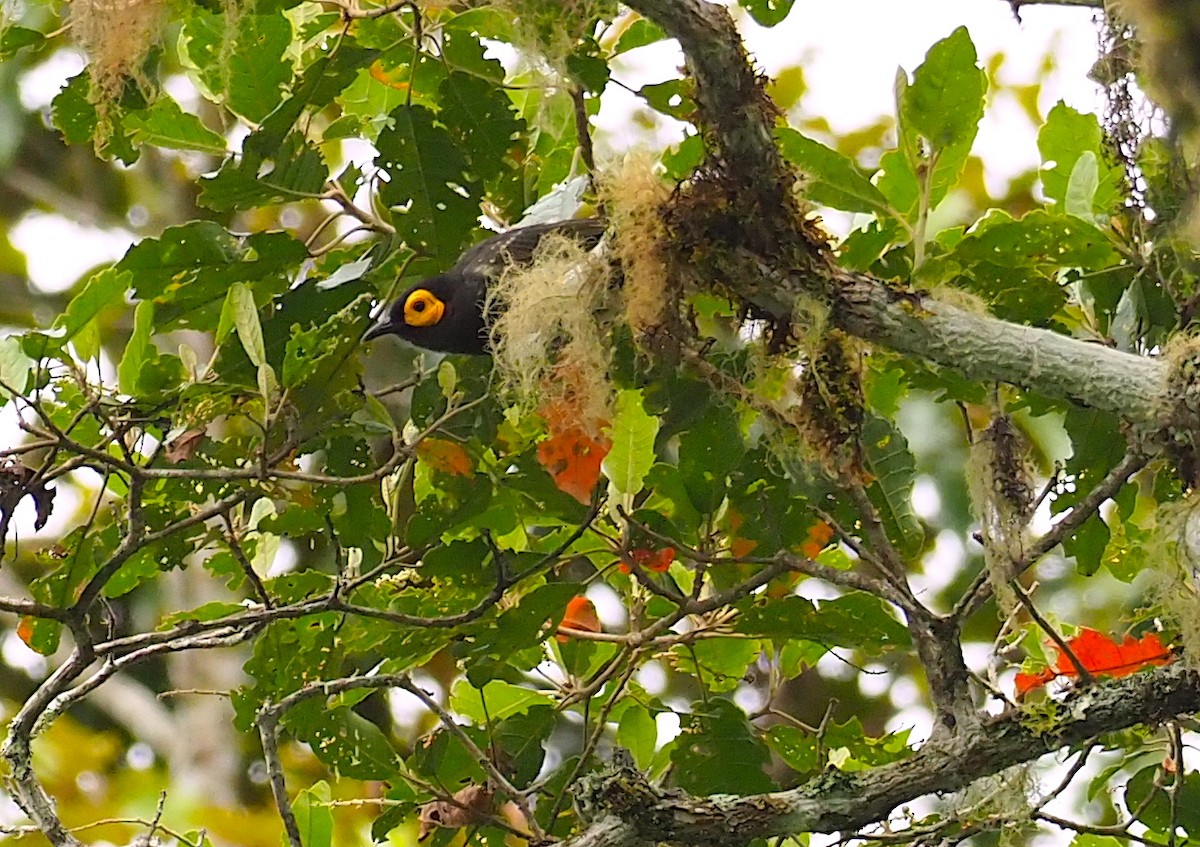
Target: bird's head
[[444, 313]]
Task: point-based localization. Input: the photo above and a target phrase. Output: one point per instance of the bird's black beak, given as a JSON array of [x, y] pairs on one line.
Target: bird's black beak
[[383, 326]]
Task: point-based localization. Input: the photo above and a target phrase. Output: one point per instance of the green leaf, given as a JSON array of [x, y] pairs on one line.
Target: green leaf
[[887, 457], [429, 189], [312, 357], [523, 739], [939, 112], [856, 620], [187, 271], [293, 171], [719, 752], [637, 731], [502, 699], [15, 368], [673, 98], [165, 124], [1065, 138], [481, 119], [528, 624], [632, 433], [1082, 186], [244, 314], [1157, 811], [897, 181], [640, 33], [587, 67], [145, 565], [212, 611], [684, 157], [138, 350], [831, 179], [321, 82], [767, 12], [103, 289], [1039, 239], [13, 39], [1087, 545], [720, 662], [709, 450], [314, 816], [40, 634], [350, 744], [242, 59], [851, 749], [1015, 263], [75, 115], [797, 748], [66, 572]]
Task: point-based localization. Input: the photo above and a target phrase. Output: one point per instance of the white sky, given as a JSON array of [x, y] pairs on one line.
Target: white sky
[[850, 51]]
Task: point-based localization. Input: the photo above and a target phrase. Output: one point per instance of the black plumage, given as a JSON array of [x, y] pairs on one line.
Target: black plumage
[[446, 312]]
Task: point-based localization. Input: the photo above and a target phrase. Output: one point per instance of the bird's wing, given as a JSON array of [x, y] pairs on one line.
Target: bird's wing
[[516, 246]]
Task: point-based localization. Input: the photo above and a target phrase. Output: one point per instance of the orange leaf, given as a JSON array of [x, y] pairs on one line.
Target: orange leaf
[[1100, 656], [572, 458], [390, 79], [738, 546], [25, 630], [445, 456], [819, 535], [581, 616]]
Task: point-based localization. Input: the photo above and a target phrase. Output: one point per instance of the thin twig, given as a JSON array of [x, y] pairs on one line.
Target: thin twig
[[498, 779]]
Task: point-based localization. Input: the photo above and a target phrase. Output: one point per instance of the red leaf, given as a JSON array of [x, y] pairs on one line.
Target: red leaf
[[580, 616], [658, 561], [1026, 682], [1100, 656]]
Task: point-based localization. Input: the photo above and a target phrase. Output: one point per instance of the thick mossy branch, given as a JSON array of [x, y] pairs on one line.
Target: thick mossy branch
[[984, 348], [836, 801]]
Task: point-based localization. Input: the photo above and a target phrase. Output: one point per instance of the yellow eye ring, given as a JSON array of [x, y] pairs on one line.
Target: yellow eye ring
[[422, 308]]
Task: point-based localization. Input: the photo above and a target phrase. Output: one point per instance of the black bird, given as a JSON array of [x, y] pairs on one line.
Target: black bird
[[446, 312]]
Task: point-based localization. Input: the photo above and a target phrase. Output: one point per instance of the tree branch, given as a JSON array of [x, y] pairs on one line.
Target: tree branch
[[982, 348], [627, 810], [986, 349]]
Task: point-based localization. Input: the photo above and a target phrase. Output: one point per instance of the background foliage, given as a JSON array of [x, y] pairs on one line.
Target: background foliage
[[276, 562]]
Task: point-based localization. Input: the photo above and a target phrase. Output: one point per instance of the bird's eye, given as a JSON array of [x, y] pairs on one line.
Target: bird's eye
[[423, 308]]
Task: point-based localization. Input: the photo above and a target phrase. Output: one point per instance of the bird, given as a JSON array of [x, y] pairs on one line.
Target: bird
[[446, 312]]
